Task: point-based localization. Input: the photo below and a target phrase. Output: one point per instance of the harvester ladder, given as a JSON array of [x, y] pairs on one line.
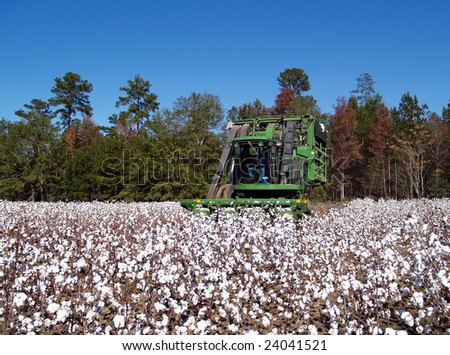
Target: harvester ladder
[[223, 161]]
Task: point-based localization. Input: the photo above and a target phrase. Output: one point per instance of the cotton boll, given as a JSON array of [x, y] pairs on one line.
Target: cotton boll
[[62, 314], [345, 285], [334, 329], [391, 275], [81, 263], [419, 329], [312, 330], [181, 290], [233, 328], [201, 325], [417, 298], [119, 321], [265, 321], [53, 308], [160, 307], [407, 318], [248, 267], [19, 299], [146, 330]]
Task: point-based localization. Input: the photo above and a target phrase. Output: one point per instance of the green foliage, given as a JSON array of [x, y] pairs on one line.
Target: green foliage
[[72, 96], [26, 147], [157, 155], [295, 79], [365, 90], [306, 105], [438, 186], [248, 110], [140, 103], [409, 113], [446, 113]]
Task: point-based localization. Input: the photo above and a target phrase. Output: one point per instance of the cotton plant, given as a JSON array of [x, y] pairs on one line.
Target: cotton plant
[[368, 267]]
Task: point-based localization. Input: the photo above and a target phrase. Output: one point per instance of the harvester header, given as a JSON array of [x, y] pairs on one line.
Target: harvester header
[[268, 162]]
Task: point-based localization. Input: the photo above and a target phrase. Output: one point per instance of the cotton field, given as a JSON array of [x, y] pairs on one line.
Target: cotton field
[[366, 267]]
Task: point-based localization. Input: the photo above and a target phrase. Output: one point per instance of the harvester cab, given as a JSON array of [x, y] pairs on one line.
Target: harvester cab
[[268, 162]]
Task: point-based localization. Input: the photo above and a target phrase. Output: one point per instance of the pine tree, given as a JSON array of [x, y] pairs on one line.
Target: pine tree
[[72, 97]]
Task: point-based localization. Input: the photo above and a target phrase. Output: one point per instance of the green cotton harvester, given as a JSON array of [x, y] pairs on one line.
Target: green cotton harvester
[[268, 162]]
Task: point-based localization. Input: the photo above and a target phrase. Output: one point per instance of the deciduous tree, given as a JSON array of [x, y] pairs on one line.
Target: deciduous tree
[[283, 101], [345, 144], [379, 156]]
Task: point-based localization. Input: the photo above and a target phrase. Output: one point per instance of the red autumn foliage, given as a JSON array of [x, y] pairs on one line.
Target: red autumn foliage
[[343, 124], [380, 132], [283, 101]]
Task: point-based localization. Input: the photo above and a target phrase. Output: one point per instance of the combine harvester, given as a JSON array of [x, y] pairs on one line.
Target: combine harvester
[[268, 162]]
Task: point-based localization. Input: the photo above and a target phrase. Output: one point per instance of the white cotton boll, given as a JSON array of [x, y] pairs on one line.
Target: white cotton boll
[[19, 299], [356, 285], [445, 248], [201, 325], [222, 313], [165, 320], [194, 299], [248, 266], [146, 330], [81, 263], [419, 329], [444, 277], [391, 275], [97, 279], [62, 314], [406, 265], [408, 319], [251, 332], [390, 331], [181, 330], [417, 297], [233, 328], [375, 330], [181, 290], [334, 329], [413, 220], [265, 321], [160, 307], [312, 329], [119, 321], [53, 308], [90, 315], [345, 285], [105, 290], [402, 332]]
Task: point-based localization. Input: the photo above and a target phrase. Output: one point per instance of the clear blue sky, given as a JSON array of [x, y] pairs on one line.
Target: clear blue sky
[[233, 49]]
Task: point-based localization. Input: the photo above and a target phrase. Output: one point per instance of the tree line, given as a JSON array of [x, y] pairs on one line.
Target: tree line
[[55, 151]]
